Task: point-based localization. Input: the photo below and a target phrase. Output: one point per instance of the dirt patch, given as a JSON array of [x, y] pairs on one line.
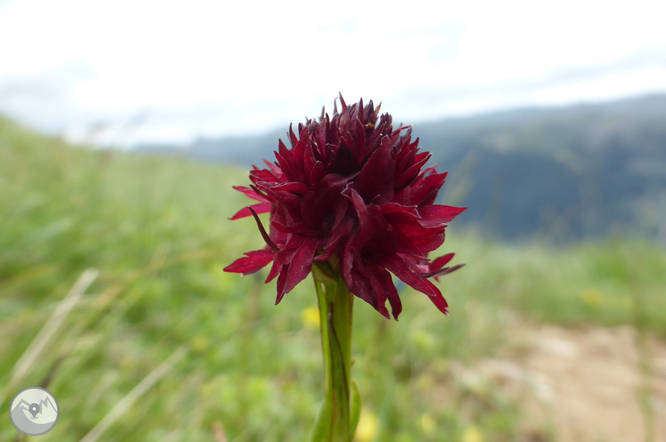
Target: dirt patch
[[589, 385]]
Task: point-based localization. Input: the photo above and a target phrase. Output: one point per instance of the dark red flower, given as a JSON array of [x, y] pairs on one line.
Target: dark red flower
[[353, 188]]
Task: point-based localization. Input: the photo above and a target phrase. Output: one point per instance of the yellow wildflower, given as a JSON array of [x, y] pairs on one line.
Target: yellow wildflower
[[593, 297], [367, 428], [310, 318], [472, 434], [199, 343], [428, 425]]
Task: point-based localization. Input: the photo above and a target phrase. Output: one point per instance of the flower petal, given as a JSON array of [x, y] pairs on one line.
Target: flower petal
[[258, 208], [384, 285], [375, 182], [249, 192], [437, 215], [299, 268], [409, 275], [352, 188], [442, 272], [253, 262]]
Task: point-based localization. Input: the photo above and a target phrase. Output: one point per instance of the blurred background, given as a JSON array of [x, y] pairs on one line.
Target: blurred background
[[123, 126]]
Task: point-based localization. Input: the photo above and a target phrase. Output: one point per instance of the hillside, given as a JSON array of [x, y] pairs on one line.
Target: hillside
[[157, 230], [568, 173], [576, 172]]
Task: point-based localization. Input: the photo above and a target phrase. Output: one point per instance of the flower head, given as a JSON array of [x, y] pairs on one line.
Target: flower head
[[351, 191]]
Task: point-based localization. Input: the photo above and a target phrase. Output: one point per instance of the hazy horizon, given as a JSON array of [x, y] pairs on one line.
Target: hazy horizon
[[141, 72]]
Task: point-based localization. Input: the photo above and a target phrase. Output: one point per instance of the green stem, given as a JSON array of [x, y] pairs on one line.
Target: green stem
[[335, 312]]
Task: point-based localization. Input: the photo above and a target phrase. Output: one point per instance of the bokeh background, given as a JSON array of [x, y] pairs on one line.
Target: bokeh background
[[124, 125]]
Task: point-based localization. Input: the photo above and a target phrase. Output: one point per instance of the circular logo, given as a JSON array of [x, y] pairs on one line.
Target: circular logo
[[34, 411]]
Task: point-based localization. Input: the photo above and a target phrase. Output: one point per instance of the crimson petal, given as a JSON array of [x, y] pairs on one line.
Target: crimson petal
[[253, 262], [351, 190], [258, 208]]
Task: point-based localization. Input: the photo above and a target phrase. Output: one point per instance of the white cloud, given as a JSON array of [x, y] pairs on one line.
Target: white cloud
[[235, 67]]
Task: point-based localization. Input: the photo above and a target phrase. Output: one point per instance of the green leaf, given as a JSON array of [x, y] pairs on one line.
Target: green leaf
[[355, 412], [322, 426]]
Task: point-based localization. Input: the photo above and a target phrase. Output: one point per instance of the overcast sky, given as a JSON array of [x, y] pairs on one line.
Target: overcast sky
[[130, 71]]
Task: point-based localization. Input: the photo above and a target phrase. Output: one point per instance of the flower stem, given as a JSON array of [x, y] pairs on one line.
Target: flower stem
[[335, 310]]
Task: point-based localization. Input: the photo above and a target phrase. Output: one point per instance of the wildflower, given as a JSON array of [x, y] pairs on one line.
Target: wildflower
[[351, 197], [349, 202], [367, 426], [593, 297], [310, 318], [428, 424], [472, 434], [199, 343]]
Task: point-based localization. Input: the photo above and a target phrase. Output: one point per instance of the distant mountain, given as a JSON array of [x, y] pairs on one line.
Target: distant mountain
[[574, 172], [582, 171]]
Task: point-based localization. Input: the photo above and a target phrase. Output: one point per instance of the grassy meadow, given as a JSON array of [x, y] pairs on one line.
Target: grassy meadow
[[165, 346]]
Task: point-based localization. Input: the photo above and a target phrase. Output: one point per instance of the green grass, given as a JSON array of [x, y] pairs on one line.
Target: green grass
[[157, 230]]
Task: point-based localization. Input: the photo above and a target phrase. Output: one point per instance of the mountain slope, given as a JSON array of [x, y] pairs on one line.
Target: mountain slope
[[582, 171]]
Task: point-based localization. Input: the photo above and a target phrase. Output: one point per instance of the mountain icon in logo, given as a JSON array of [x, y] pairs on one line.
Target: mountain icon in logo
[[34, 411]]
